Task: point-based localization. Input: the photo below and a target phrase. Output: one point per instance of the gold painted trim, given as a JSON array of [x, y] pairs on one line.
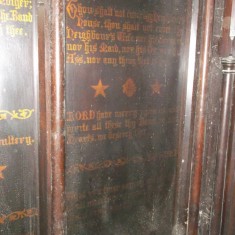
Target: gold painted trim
[[18, 215], [88, 167], [21, 114]]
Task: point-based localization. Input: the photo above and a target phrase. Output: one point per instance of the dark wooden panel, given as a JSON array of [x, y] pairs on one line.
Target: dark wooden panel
[[123, 84], [18, 118]]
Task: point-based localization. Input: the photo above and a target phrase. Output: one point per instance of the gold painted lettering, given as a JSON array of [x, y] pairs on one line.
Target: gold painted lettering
[[16, 16]]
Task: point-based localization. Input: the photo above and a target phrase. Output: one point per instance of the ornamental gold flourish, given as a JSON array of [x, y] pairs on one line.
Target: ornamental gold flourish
[[18, 215], [86, 167], [21, 114]]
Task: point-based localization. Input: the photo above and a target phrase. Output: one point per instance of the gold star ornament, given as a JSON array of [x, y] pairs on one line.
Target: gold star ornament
[[100, 89], [2, 168]]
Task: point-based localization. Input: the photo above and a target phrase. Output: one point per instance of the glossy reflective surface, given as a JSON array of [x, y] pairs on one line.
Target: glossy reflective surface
[[18, 119], [122, 102]]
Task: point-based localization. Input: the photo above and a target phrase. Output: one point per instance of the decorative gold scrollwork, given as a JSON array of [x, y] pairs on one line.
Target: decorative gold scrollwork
[[18, 215], [21, 114], [85, 167]]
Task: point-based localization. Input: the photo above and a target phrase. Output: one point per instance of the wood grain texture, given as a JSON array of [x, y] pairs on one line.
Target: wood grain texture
[[199, 138], [57, 115]]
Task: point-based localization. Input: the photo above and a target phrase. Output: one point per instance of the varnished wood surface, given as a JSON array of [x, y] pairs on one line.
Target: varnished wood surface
[[57, 115], [223, 150], [200, 117]]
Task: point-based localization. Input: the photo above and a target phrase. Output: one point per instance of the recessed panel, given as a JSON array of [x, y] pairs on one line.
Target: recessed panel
[[122, 102], [18, 118]]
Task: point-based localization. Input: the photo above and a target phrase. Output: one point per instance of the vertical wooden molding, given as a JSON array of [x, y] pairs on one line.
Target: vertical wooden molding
[[43, 143], [228, 225], [223, 170], [199, 139], [225, 127], [185, 143], [57, 115]]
